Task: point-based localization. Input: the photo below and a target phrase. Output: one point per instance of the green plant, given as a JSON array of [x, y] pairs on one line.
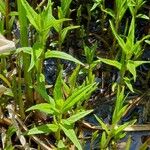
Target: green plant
[[114, 132], [126, 61], [7, 18], [90, 54], [130, 52], [23, 22], [62, 108], [43, 29]]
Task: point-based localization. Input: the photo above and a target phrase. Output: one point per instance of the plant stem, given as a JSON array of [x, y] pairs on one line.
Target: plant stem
[[20, 100], [41, 58], [7, 18], [26, 57]]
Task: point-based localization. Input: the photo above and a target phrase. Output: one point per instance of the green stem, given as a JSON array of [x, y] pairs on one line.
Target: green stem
[[107, 142], [58, 135], [26, 57], [41, 58], [20, 100]]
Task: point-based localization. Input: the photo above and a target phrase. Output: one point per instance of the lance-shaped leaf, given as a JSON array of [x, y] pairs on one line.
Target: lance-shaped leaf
[[65, 6], [128, 83], [131, 37], [65, 31], [103, 139], [45, 107], [138, 63], [122, 127], [111, 62], [35, 54], [119, 39], [104, 126], [118, 114], [70, 133], [62, 55], [33, 17], [72, 119], [131, 66], [58, 93], [40, 88], [3, 7], [79, 94], [47, 16], [73, 77], [47, 128]]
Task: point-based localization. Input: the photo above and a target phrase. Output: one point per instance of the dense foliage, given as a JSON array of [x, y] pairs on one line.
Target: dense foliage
[[73, 57]]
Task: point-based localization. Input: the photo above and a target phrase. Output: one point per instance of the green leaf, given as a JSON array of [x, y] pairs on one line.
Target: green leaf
[[27, 50], [4, 79], [103, 139], [94, 6], [58, 94], [128, 83], [121, 8], [114, 85], [131, 37], [65, 6], [95, 135], [73, 77], [61, 145], [90, 53], [62, 55], [57, 24], [143, 16], [104, 126], [110, 12], [66, 88], [122, 127], [3, 7], [10, 131], [65, 31], [147, 41], [79, 94], [35, 54], [119, 39], [128, 144], [47, 16], [44, 107], [70, 133], [117, 115], [118, 106], [77, 116], [40, 88], [47, 128], [132, 68], [33, 17], [138, 63], [111, 62]]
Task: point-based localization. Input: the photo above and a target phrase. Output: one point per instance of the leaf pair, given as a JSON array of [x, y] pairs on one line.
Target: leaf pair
[[37, 19], [58, 107]]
